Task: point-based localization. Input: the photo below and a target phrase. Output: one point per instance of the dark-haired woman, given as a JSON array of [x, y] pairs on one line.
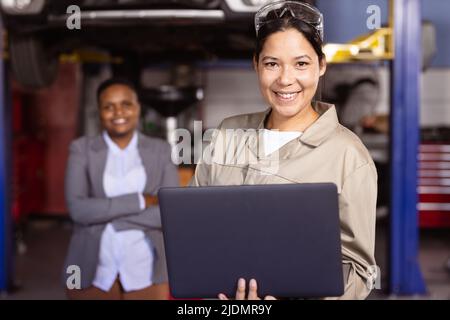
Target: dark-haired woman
[[302, 139], [116, 250]]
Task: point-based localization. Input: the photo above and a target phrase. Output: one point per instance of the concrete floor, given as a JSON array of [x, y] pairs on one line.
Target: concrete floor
[[434, 252], [40, 258]]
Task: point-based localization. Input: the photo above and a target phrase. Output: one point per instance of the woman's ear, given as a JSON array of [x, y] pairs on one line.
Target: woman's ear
[[322, 66]]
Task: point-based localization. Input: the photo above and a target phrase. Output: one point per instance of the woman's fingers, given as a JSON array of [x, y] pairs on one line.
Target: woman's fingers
[[222, 296], [253, 290], [240, 292]]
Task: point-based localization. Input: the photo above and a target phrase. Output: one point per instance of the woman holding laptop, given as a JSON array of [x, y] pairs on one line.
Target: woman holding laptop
[[299, 140]]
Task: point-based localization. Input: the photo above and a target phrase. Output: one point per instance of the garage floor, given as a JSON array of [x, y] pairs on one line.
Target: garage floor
[[38, 267]]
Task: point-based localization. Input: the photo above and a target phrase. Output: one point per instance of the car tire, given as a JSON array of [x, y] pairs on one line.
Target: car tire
[[32, 66]]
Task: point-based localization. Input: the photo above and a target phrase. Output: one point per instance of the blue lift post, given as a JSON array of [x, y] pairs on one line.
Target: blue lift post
[[405, 275], [5, 152]]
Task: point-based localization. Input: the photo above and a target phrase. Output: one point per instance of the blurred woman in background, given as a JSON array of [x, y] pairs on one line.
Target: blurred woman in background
[[111, 185]]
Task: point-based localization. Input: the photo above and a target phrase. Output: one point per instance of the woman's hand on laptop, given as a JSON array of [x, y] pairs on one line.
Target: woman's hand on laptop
[[252, 292]]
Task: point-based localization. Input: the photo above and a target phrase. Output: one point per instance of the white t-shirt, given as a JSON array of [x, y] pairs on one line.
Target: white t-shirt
[[274, 140], [126, 253]]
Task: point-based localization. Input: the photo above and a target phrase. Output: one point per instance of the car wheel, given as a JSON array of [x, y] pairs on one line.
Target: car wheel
[[32, 66]]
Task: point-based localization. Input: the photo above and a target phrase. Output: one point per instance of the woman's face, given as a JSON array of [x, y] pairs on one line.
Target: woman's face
[[288, 70], [119, 110]]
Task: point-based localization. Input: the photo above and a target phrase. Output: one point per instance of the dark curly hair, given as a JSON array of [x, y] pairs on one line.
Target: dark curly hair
[[115, 81]]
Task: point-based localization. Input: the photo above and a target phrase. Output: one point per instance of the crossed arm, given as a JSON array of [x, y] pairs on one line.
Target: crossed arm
[[85, 209]]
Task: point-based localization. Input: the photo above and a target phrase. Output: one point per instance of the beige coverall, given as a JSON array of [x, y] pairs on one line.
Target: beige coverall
[[325, 152]]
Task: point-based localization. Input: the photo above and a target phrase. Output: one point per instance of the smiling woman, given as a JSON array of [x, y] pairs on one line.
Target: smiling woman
[[111, 182], [306, 142], [289, 69], [119, 110]]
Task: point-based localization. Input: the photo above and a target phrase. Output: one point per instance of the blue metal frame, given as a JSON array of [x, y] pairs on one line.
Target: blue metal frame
[[5, 212], [405, 275]]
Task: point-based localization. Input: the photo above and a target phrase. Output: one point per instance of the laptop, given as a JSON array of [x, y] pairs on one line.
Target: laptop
[[286, 236]]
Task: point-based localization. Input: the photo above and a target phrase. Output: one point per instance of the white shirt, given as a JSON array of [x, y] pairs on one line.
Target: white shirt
[[129, 253], [274, 140]]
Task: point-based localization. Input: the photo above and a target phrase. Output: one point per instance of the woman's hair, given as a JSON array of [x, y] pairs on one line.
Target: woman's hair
[[308, 31], [114, 81]]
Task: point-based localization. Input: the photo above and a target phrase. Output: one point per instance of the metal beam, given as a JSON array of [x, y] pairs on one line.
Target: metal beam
[[405, 275]]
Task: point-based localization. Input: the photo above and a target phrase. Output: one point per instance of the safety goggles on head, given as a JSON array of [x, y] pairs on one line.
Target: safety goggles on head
[[298, 10]]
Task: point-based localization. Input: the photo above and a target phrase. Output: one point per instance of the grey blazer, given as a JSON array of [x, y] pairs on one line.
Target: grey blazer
[[91, 210]]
